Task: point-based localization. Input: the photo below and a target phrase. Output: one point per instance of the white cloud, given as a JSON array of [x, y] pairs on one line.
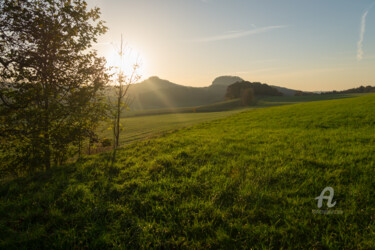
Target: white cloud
[[362, 34], [238, 34]]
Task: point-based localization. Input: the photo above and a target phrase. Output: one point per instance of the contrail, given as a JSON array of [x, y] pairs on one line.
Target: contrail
[[238, 34], [362, 34]]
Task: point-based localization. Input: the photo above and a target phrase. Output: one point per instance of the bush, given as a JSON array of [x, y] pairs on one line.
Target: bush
[[247, 97], [106, 142]]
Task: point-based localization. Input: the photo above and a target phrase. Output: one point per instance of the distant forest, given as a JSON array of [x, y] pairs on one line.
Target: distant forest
[[361, 89], [236, 89]]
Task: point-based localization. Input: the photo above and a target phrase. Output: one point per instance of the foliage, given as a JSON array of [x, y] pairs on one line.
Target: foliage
[[247, 97], [49, 79], [236, 89], [361, 89], [106, 142], [246, 181], [303, 93]]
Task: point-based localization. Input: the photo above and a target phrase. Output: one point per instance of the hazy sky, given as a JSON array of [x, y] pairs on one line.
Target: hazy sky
[[301, 44]]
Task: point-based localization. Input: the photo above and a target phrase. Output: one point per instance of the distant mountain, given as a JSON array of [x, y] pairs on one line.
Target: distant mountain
[[156, 93], [285, 91], [226, 81]]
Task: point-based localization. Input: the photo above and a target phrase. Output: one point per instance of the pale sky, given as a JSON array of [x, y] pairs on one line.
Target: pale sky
[[301, 44]]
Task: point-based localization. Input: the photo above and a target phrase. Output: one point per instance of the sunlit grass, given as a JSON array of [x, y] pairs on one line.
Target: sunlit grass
[[247, 180], [146, 127]]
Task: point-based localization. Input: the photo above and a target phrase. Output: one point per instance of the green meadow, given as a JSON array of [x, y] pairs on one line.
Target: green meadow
[[144, 127], [240, 180]]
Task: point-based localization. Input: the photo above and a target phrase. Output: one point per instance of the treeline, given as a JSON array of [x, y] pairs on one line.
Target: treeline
[[361, 89], [246, 91], [259, 89], [302, 93]]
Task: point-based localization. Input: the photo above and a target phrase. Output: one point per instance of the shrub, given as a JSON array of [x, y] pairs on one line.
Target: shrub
[[106, 142]]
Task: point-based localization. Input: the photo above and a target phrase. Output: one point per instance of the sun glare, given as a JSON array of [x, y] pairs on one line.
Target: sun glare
[[130, 58]]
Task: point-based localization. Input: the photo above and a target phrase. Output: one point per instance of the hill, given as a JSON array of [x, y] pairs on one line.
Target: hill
[[156, 93], [225, 81], [285, 91], [246, 181]]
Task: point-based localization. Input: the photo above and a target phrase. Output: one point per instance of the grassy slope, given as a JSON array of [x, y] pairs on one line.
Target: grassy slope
[[246, 180], [235, 104], [142, 125], [215, 107], [145, 127], [280, 100]]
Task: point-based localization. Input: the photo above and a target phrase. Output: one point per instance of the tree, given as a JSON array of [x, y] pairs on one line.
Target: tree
[[50, 79], [260, 89], [247, 96], [122, 99]]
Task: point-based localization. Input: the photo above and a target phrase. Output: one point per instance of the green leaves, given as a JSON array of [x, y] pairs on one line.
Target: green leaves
[[51, 82]]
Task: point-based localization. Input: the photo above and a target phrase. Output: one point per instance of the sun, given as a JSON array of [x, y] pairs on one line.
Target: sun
[[130, 57]]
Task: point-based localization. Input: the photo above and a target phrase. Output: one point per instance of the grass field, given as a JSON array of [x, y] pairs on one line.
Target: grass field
[[215, 107], [247, 180], [144, 127], [235, 104]]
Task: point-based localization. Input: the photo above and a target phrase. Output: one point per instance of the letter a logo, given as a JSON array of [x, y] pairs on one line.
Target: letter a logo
[[329, 197]]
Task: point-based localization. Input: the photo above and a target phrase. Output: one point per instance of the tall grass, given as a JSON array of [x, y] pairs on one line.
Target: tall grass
[[248, 180]]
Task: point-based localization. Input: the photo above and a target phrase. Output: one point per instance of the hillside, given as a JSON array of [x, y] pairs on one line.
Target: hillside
[[156, 93], [146, 126], [285, 91], [245, 181]]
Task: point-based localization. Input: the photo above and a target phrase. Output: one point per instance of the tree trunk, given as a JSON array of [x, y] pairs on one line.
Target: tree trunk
[[47, 157], [46, 128], [118, 119]]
